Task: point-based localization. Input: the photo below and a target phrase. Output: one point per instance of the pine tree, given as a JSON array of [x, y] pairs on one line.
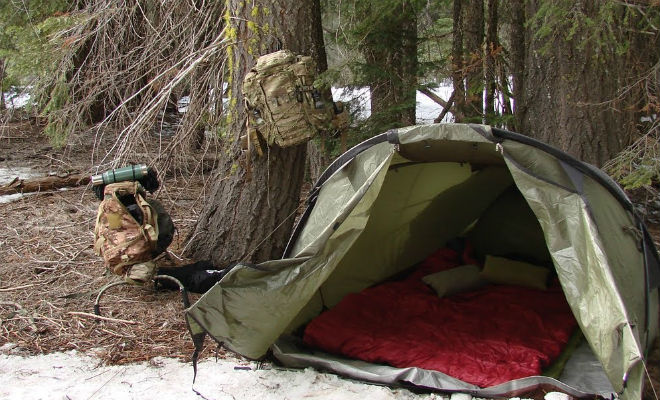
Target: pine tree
[[583, 91], [379, 45], [28, 50], [249, 214]]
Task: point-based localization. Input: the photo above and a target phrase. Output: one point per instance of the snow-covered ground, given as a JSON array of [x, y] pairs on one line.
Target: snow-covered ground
[[73, 376], [9, 174], [16, 99]]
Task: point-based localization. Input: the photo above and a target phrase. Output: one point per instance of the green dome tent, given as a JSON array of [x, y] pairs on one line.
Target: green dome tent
[[394, 199]]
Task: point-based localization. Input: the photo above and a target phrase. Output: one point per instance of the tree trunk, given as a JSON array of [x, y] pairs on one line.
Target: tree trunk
[[317, 160], [457, 62], [474, 39], [578, 102], [2, 84], [489, 61], [318, 155], [517, 61], [407, 61], [249, 214]]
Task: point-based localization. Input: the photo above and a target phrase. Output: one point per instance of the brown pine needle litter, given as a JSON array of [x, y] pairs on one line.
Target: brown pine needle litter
[[50, 276]]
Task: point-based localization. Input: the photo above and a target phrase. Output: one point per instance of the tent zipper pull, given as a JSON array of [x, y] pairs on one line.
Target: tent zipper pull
[[499, 148]]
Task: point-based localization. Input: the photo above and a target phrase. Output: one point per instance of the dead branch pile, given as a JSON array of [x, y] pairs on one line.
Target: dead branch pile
[[128, 63]]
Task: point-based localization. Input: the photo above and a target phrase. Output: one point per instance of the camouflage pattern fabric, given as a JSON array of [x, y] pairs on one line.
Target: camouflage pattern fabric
[[283, 105], [119, 237], [141, 273]]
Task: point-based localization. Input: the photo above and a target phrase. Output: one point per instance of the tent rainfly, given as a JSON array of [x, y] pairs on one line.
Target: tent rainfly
[[392, 201]]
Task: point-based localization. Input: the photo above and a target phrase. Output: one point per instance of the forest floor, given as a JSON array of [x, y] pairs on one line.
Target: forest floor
[[50, 276]]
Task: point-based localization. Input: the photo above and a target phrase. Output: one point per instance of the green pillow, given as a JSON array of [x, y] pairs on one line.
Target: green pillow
[[455, 280], [509, 272]]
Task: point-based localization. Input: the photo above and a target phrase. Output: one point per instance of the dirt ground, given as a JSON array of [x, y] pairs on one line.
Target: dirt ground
[[50, 276]]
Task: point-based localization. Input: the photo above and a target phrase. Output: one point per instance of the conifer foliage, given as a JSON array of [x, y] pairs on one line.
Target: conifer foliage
[[28, 50]]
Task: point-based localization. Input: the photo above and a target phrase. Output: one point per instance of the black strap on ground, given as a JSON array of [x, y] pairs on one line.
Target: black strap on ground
[[182, 289], [198, 341], [97, 306]]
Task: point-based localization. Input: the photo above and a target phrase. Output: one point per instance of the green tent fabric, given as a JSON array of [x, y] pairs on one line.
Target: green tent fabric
[[387, 194]]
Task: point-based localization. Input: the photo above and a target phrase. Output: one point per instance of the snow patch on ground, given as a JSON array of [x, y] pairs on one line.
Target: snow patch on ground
[[7, 175], [73, 375], [17, 98]]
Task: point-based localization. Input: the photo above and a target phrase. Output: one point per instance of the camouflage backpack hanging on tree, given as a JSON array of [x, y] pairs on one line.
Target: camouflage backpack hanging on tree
[[283, 105]]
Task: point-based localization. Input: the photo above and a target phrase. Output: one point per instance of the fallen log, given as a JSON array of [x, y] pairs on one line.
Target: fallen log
[[52, 182]]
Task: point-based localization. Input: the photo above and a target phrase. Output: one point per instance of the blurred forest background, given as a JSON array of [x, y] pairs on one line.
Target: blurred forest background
[[581, 75]]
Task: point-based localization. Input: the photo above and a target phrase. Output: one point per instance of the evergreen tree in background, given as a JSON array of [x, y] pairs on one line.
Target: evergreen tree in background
[[379, 45], [587, 70], [28, 49]]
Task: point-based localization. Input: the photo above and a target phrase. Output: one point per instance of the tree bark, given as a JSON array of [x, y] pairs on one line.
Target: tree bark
[[317, 160], [576, 102], [491, 45], [517, 60], [474, 39], [249, 214], [457, 62], [318, 156], [2, 84]]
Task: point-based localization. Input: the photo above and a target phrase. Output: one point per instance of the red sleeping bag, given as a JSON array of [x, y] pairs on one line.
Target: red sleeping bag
[[484, 337]]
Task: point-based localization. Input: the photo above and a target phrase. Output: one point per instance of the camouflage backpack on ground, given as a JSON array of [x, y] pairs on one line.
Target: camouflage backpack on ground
[[283, 105], [126, 231]]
